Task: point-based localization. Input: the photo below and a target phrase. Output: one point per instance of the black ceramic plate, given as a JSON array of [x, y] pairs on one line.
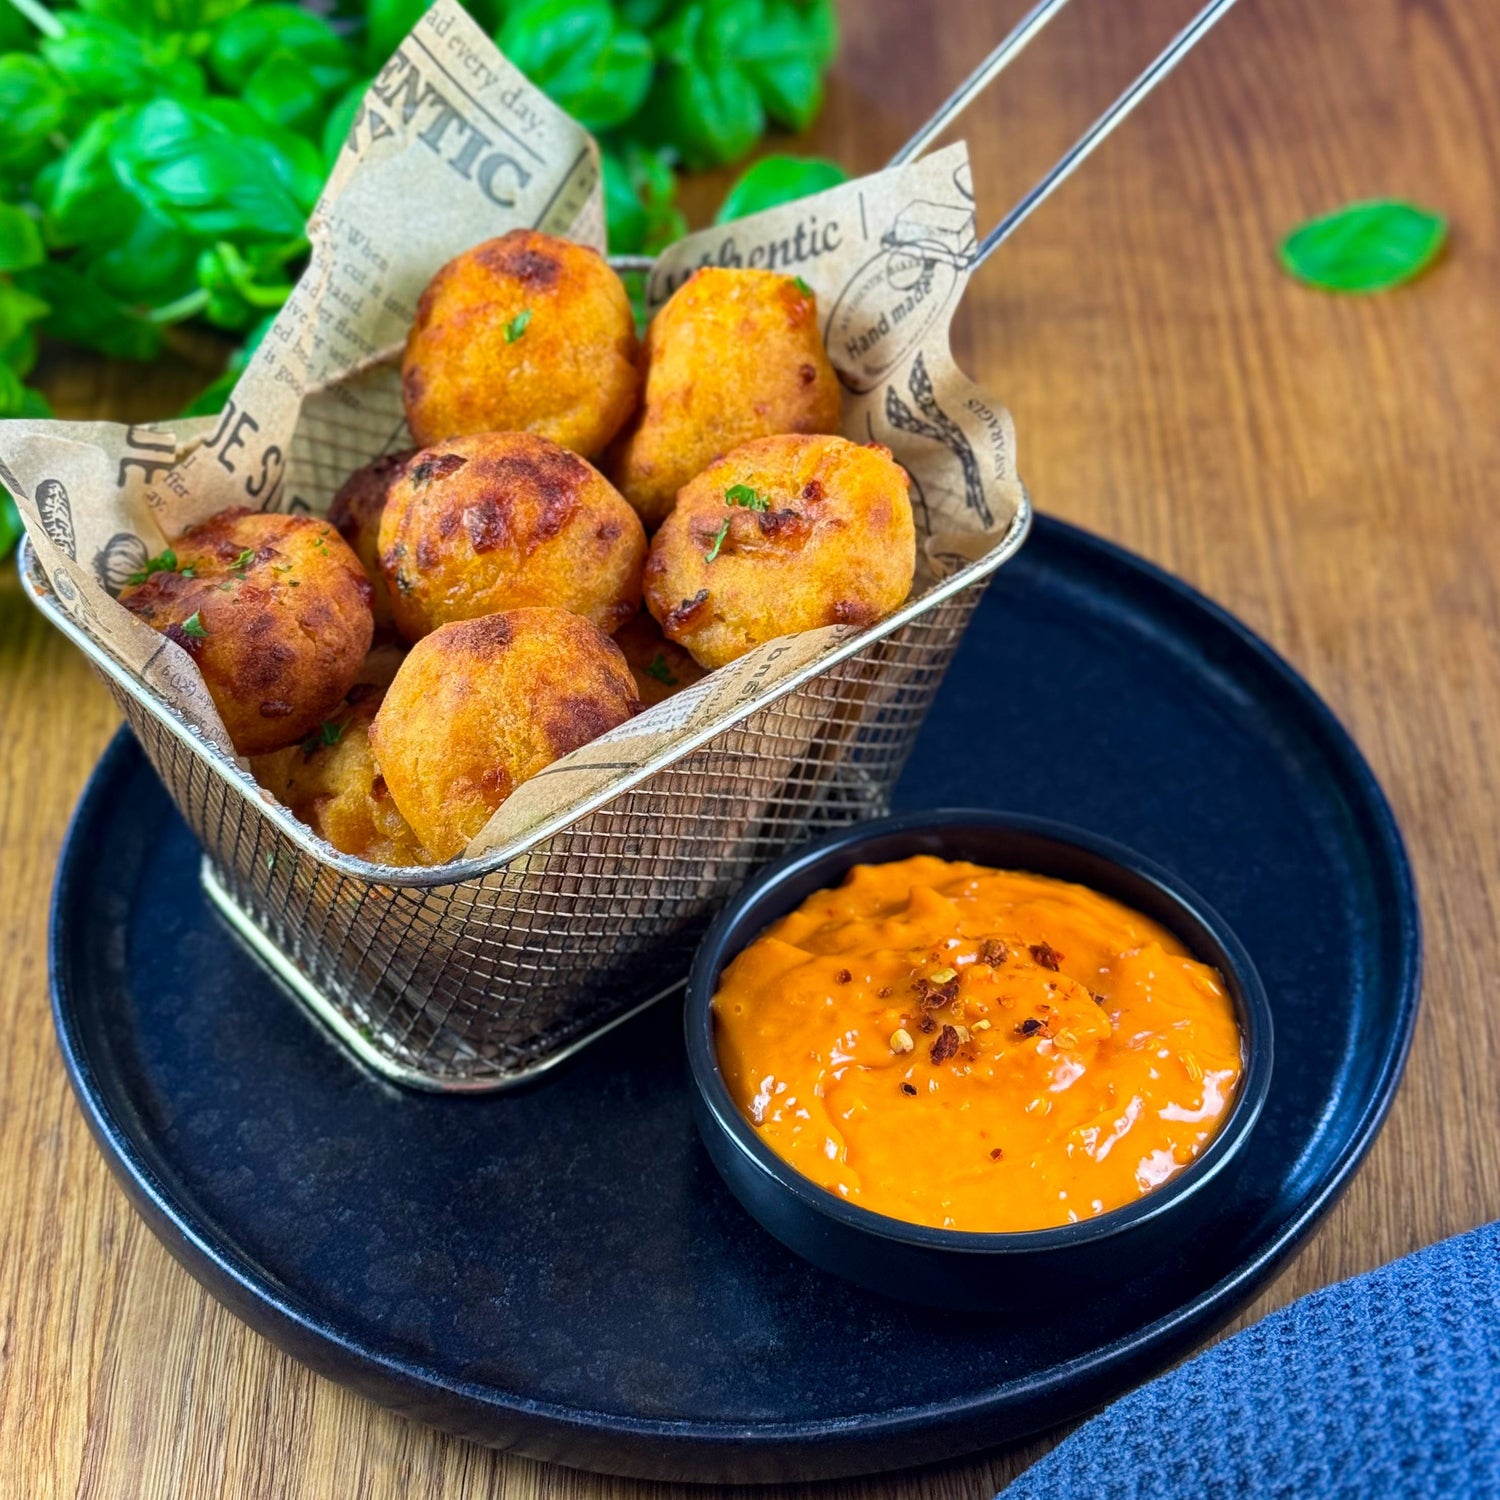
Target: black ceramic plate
[[561, 1270]]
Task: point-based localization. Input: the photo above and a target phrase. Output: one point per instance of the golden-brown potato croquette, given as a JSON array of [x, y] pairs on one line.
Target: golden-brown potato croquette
[[479, 706], [784, 534], [661, 667], [355, 514], [524, 333], [508, 520], [732, 356], [275, 611], [331, 782]]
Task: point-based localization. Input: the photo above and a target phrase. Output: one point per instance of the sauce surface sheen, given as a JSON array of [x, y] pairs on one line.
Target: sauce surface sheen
[[977, 1049]]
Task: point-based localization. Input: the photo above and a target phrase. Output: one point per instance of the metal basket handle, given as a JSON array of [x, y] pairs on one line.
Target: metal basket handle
[[992, 66]]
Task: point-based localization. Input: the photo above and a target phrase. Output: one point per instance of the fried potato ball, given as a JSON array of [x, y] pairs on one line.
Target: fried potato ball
[[355, 514], [479, 706], [732, 356], [661, 667], [508, 520], [524, 333], [275, 611], [784, 534], [332, 783]]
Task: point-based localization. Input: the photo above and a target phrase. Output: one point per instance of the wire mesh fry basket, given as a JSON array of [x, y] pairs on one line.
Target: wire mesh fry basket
[[488, 970]]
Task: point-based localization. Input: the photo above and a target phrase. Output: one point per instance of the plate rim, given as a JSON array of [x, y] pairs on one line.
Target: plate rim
[[259, 1300]]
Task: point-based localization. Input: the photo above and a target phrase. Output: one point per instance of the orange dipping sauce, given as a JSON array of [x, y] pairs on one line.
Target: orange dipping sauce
[[977, 1049]]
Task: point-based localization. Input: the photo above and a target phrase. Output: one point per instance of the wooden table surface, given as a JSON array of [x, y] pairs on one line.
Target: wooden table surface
[[1327, 468]]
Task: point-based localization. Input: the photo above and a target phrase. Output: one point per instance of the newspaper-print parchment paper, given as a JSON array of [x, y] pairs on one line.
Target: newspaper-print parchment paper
[[453, 146]]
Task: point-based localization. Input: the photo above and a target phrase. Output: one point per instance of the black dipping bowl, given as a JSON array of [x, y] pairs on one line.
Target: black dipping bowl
[[947, 1267]]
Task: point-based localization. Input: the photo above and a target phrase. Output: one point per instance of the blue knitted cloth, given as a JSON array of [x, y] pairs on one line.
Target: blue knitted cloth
[[1387, 1385]]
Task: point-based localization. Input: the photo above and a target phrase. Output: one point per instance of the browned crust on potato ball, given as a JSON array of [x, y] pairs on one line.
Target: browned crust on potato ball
[[480, 706], [734, 355], [331, 782], [500, 521], [569, 374], [834, 544], [661, 667], [275, 611], [355, 513]]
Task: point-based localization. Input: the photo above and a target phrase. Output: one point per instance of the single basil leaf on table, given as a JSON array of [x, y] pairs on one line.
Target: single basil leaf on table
[[703, 102], [1364, 247], [774, 180], [21, 245], [33, 105], [582, 56]]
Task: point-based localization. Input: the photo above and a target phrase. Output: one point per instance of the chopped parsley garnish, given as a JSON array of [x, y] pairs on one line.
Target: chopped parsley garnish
[[803, 287], [742, 494], [271, 860], [329, 734], [719, 536], [193, 626], [660, 670], [188, 572], [243, 561], [517, 325], [163, 562]]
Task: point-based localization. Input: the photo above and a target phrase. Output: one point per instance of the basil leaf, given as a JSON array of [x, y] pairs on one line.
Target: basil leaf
[[149, 261], [1364, 247], [19, 309], [340, 120], [778, 179], [387, 24], [187, 166], [100, 58], [284, 90], [783, 58], [703, 102], [644, 14], [155, 16], [20, 240], [245, 41], [33, 104], [10, 522], [83, 313], [16, 35], [639, 188], [582, 56]]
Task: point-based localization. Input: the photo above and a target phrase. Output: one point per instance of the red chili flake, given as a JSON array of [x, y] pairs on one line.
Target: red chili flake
[[993, 952], [934, 996], [996, 1154], [1029, 1027], [1046, 955], [908, 1088], [946, 1044], [843, 976]]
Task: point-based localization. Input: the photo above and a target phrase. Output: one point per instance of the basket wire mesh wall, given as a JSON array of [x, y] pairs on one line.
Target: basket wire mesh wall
[[489, 978]]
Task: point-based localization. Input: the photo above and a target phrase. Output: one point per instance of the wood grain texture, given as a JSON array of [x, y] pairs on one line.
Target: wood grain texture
[[1324, 467]]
